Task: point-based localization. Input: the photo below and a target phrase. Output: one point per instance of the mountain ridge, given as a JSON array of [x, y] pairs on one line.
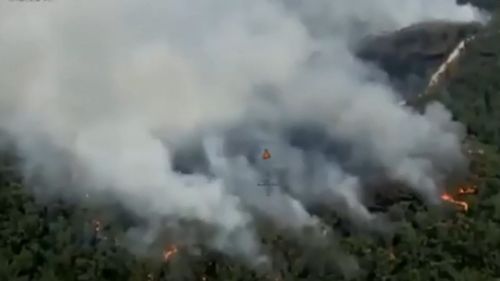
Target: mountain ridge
[[412, 54]]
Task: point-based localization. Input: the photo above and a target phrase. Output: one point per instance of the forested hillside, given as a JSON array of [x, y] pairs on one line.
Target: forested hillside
[[64, 242], [484, 4], [411, 55]]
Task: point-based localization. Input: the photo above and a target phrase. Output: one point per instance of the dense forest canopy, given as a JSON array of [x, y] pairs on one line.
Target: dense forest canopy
[[61, 241]]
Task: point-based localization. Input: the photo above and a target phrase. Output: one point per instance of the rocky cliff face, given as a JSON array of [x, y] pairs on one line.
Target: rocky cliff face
[[412, 54]]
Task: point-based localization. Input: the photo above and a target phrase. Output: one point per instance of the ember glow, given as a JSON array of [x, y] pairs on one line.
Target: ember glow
[[461, 191], [117, 115], [447, 197], [467, 190], [169, 252]]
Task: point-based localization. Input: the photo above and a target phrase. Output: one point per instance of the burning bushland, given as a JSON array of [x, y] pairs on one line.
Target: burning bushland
[[164, 111], [457, 198]]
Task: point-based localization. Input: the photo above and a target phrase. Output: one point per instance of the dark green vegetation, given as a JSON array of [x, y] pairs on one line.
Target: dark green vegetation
[[57, 244], [412, 54]]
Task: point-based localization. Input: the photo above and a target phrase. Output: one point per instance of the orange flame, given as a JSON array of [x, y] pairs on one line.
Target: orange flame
[[449, 198], [169, 252], [467, 190], [266, 155]]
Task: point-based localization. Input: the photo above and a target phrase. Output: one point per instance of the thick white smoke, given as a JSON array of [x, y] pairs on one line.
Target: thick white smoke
[[111, 91]]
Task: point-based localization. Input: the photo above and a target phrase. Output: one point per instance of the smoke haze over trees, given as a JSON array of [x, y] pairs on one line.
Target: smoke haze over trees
[[162, 111]]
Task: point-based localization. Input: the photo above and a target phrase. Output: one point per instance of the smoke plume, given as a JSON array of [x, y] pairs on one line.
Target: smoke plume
[[166, 107]]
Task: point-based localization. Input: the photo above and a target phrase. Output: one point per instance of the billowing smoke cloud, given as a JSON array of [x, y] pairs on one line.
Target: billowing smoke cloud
[[165, 107]]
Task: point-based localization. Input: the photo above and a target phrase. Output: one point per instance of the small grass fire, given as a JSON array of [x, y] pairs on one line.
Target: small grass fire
[[457, 199]]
